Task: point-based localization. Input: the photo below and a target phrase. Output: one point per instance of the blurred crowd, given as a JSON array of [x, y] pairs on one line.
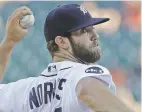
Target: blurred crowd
[[120, 41]]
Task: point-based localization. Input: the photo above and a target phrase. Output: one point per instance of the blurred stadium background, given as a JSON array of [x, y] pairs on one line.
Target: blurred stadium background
[[120, 41]]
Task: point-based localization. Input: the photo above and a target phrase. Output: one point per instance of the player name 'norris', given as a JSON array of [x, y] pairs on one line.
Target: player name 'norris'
[[44, 93]]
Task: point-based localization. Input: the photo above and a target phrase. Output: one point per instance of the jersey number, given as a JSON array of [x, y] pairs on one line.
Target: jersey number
[[58, 109], [60, 87]]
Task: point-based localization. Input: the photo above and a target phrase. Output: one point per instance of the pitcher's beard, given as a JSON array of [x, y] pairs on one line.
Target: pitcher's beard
[[90, 55]]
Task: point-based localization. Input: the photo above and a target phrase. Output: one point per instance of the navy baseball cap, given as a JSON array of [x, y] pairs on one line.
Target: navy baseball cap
[[67, 18]]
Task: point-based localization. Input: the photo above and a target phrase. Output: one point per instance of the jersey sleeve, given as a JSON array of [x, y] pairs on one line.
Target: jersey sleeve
[[12, 95], [95, 71], [1, 86]]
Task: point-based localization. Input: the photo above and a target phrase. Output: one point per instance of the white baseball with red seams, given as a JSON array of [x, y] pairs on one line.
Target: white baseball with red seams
[[27, 21]]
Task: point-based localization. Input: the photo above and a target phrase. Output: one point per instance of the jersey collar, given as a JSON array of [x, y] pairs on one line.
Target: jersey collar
[[54, 67]]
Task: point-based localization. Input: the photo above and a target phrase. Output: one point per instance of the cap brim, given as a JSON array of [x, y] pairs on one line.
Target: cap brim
[[93, 21]]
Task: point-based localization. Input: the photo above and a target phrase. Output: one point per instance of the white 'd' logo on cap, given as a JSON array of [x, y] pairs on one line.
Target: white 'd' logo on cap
[[83, 9]]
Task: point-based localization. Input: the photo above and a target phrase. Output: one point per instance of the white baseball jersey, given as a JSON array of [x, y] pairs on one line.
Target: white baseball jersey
[[53, 91]]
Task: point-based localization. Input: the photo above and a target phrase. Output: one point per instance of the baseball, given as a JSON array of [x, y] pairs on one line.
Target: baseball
[[27, 21]]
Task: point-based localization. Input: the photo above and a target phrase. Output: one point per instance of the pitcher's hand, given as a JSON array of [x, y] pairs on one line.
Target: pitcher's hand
[[14, 31]]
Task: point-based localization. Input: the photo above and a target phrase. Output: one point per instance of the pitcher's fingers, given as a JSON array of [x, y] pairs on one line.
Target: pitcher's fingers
[[18, 9], [21, 12], [24, 31]]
